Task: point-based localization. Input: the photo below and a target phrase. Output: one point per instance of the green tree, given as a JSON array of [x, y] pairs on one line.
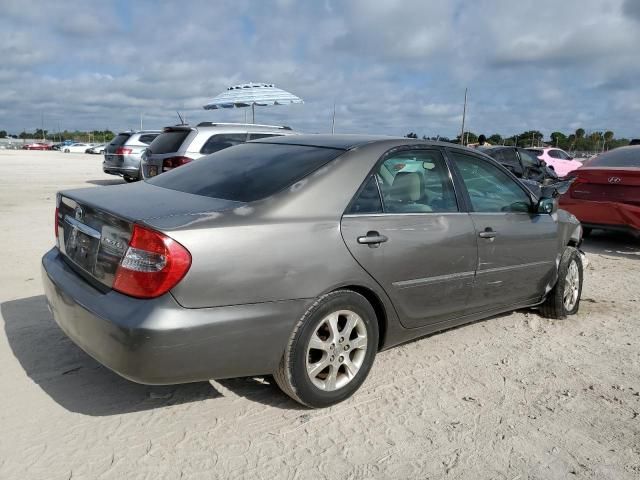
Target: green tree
[[495, 139], [558, 139], [608, 136], [411, 135], [580, 133], [3, 134]]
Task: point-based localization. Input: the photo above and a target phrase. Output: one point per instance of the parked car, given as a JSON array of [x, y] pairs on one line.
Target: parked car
[[302, 257], [182, 144], [558, 159], [96, 149], [523, 163], [605, 193], [122, 155], [76, 147], [36, 146]]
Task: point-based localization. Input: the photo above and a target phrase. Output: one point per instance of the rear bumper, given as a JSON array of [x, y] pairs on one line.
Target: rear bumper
[[158, 341], [605, 215], [122, 165]]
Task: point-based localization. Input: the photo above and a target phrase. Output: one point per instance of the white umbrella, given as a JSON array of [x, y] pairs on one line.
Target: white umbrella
[[250, 95]]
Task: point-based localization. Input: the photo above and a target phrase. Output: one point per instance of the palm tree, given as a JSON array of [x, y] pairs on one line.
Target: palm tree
[[608, 136], [580, 133]]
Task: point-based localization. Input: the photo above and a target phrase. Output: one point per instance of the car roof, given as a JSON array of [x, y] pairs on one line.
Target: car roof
[[339, 142], [133, 132]]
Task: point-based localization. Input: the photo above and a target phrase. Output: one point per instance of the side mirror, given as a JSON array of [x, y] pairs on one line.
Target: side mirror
[[547, 205]]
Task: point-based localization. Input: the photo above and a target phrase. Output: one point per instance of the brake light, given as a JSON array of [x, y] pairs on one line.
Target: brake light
[[123, 151], [174, 162], [56, 221], [153, 264]]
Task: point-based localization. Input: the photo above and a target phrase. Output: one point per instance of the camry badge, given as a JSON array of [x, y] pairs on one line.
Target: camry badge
[[615, 179]]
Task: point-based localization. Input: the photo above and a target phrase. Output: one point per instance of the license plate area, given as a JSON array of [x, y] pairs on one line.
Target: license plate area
[[153, 171], [81, 244]]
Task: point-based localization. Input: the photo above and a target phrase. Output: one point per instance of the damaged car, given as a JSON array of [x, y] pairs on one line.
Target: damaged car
[[302, 257]]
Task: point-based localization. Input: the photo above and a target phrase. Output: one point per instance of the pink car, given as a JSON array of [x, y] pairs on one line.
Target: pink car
[[558, 159]]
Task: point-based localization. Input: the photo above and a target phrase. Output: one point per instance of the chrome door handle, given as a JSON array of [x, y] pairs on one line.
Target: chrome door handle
[[488, 233], [373, 239]]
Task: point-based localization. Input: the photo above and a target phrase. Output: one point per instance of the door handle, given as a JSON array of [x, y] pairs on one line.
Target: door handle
[[373, 239], [488, 233]]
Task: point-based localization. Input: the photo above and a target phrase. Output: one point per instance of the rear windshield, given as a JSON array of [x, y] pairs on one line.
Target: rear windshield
[[120, 139], [169, 142], [620, 157], [246, 172]]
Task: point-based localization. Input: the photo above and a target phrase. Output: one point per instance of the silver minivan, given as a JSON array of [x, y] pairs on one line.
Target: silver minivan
[[182, 144], [122, 155]]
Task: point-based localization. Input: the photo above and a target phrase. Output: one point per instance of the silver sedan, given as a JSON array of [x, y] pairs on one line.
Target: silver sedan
[[302, 257]]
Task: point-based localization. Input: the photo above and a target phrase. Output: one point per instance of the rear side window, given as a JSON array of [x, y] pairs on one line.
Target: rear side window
[[247, 172], [537, 153], [256, 136], [120, 140], [221, 141], [169, 142], [620, 157], [147, 138], [529, 158]]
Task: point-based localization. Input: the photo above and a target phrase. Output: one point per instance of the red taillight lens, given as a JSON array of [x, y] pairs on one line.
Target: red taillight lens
[[152, 265], [123, 151], [174, 162], [56, 224]]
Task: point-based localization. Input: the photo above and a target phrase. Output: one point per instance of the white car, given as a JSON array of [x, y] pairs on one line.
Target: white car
[[76, 147]]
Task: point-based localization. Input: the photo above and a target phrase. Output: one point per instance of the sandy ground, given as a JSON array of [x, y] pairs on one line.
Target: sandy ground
[[513, 397]]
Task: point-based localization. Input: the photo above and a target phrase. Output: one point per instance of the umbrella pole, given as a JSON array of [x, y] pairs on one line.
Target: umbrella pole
[[253, 113]]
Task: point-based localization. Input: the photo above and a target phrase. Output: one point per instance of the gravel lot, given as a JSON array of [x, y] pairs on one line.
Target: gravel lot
[[513, 397]]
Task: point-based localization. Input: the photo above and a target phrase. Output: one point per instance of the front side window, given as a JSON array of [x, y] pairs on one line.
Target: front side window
[[489, 188], [529, 160], [416, 181], [222, 141]]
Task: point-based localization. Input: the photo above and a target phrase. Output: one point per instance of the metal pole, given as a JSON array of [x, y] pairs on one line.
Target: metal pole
[[464, 114], [253, 113], [333, 119]]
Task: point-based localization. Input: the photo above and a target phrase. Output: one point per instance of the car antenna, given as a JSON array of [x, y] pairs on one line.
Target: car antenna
[[181, 119]]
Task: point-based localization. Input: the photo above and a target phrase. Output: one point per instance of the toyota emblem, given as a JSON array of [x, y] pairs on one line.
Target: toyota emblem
[[615, 179]]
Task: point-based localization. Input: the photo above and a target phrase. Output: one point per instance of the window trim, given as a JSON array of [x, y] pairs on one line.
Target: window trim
[[485, 158], [385, 156]]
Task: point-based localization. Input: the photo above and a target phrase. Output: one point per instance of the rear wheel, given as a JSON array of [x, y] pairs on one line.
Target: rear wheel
[[331, 350], [564, 298], [129, 179]]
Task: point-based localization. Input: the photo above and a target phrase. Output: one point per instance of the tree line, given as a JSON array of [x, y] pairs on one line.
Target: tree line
[[77, 135], [575, 141]]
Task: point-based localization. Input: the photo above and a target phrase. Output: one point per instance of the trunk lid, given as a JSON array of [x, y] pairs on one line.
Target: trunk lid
[[95, 224], [613, 184]]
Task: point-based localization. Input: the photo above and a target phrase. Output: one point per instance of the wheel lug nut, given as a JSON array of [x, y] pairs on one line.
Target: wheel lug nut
[[332, 357], [341, 339], [341, 359], [346, 347]]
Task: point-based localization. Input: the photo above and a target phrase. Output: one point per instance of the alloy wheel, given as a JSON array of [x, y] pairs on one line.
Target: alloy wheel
[[336, 350], [571, 286]]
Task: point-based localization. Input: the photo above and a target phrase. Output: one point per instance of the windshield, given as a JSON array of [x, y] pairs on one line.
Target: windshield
[[620, 157], [246, 172]]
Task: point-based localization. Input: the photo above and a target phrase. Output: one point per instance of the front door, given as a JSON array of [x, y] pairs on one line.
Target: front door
[[516, 247], [405, 230]]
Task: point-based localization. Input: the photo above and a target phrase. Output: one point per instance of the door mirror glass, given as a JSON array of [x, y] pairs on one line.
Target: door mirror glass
[[547, 205]]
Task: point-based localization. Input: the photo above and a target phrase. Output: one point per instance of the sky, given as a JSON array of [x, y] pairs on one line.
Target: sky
[[391, 67]]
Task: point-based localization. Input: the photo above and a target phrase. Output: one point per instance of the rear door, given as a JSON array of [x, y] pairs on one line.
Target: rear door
[[406, 230], [517, 248]]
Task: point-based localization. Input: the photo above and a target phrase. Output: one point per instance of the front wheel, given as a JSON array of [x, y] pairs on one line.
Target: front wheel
[[331, 350], [564, 298]]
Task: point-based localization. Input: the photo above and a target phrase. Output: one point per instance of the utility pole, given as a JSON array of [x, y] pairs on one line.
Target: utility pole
[[333, 119], [464, 114], [140, 121]]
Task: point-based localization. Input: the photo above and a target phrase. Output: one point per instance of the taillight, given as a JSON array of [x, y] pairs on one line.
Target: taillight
[[123, 151], [174, 162], [56, 221], [153, 264]]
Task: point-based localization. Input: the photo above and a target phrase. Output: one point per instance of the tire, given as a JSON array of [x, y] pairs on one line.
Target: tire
[[66, 150], [560, 302], [129, 179], [347, 365]]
